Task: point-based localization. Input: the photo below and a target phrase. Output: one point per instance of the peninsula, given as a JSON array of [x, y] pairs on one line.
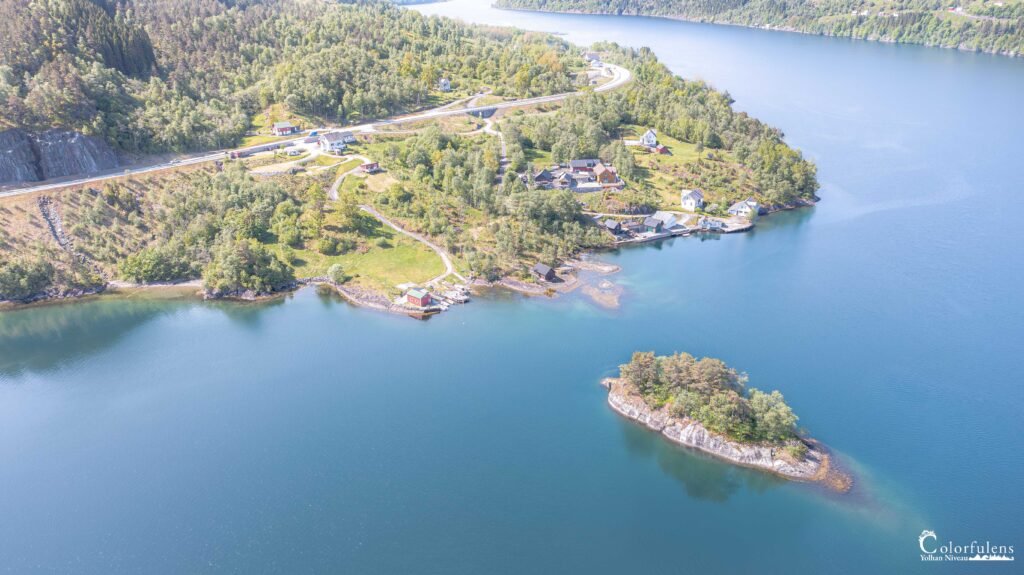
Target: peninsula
[[705, 405], [395, 157]]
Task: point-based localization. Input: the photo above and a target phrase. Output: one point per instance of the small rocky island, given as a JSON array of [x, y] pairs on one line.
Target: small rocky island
[[706, 405]]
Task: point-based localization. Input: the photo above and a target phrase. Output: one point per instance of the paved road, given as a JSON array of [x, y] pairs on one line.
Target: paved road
[[620, 76]]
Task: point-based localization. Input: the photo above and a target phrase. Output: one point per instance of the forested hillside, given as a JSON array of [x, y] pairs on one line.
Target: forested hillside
[[758, 162], [177, 75], [984, 25]]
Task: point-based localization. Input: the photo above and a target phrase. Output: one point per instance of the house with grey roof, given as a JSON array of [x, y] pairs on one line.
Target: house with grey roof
[[543, 272], [332, 142], [668, 219], [692, 200], [649, 139], [585, 165], [748, 208], [283, 129]]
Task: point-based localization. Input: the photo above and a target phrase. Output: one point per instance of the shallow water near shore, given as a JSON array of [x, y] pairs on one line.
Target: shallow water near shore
[[307, 435]]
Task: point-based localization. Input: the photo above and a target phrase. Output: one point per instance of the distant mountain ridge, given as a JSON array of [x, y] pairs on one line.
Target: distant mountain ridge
[[995, 26]]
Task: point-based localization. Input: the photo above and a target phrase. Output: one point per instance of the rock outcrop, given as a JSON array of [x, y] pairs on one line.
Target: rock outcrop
[[26, 157], [815, 466], [18, 160]]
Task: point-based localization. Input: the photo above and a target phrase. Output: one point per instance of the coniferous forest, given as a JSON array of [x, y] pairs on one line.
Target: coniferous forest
[[180, 75], [983, 25]]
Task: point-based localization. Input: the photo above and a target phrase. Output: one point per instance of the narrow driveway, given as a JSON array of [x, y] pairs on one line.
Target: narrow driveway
[[448, 266]]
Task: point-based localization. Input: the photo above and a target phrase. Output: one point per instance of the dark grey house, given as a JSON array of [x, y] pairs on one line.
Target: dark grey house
[[543, 272]]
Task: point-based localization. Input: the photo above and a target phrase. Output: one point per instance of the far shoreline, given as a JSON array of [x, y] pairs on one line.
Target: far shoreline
[[766, 28]]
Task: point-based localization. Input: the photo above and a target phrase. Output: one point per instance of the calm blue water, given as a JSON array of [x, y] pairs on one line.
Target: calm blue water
[[307, 436]]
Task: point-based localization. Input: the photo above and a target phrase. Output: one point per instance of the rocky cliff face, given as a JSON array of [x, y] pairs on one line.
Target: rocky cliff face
[[18, 162], [26, 157], [814, 467]]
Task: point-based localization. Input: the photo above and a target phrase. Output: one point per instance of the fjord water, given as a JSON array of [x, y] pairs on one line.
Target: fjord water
[[148, 436]]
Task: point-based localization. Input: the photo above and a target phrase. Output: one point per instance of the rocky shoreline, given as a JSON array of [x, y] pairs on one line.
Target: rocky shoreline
[[817, 466], [356, 296]]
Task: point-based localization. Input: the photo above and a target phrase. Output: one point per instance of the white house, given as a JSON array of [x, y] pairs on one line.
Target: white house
[[649, 139], [748, 208], [444, 85], [667, 219], [692, 200], [333, 142]]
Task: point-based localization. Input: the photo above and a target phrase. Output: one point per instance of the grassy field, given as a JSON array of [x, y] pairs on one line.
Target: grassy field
[[379, 268], [384, 259], [717, 172], [539, 158], [262, 122], [348, 165]]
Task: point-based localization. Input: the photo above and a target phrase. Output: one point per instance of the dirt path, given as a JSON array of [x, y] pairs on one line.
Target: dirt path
[[448, 266], [333, 192], [503, 161]]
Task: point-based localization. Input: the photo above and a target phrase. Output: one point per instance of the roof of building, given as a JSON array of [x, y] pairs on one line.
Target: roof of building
[[418, 293], [650, 131], [543, 175], [695, 194], [741, 206], [652, 222], [283, 125], [587, 163], [334, 137], [665, 217], [612, 224], [541, 269]]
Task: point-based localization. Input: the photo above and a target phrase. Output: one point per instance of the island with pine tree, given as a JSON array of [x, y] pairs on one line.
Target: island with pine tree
[[706, 405]]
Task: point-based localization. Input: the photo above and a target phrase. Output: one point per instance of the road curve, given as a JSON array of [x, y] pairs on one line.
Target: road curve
[[448, 266], [620, 77]]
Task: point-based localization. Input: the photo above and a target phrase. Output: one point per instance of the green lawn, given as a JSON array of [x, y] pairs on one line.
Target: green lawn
[[539, 158], [348, 165], [402, 260], [328, 161], [262, 139]]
